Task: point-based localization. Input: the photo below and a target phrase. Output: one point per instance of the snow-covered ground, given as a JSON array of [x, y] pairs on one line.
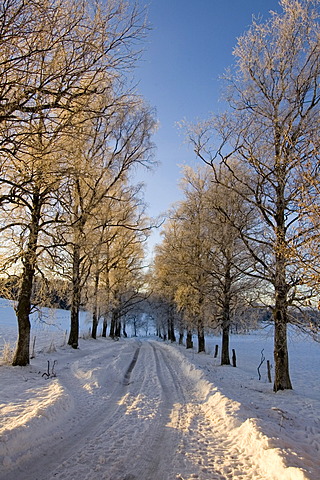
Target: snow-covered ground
[[140, 409]]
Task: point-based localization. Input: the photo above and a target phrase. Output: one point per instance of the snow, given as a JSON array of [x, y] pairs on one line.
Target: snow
[[144, 409]]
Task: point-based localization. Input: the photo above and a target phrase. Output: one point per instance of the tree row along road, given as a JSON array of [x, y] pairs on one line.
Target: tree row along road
[[152, 424]]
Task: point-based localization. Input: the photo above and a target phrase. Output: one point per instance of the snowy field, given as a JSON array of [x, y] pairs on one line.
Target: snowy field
[[140, 409]]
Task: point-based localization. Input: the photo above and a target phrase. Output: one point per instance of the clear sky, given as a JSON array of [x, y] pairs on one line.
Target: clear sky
[[189, 47]]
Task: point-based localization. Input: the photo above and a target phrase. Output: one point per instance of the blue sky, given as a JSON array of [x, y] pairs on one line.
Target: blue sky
[[189, 47]]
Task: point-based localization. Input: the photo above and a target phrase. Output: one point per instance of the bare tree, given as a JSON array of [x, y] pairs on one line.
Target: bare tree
[[229, 265], [202, 257], [57, 58], [30, 179], [111, 144], [128, 280], [118, 238], [181, 257], [273, 132]]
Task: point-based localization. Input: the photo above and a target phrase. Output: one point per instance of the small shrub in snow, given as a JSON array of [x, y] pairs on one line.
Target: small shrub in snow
[[86, 335], [7, 354], [52, 347]]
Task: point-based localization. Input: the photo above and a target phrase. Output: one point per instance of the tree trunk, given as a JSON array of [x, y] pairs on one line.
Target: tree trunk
[[75, 304], [94, 324], [124, 330], [115, 325], [135, 327], [225, 357], [281, 359], [95, 317], [181, 337], [107, 289], [118, 328], [201, 340], [171, 335], [112, 325], [189, 342], [168, 325], [234, 358], [22, 352], [23, 308], [104, 327]]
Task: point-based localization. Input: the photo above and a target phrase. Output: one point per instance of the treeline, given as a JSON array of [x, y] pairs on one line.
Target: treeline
[[247, 231], [72, 132], [45, 293]]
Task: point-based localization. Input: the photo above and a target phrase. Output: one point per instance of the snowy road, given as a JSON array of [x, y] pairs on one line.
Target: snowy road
[[129, 410], [125, 434]]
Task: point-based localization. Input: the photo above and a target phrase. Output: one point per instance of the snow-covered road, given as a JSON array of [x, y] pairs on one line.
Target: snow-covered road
[[127, 410]]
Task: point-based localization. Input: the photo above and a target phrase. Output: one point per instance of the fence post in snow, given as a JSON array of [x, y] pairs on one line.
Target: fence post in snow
[[234, 358], [33, 347], [269, 371]]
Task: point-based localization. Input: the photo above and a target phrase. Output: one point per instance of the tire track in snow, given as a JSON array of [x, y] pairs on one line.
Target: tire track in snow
[[152, 425], [164, 445], [185, 406], [157, 452], [150, 399], [127, 375], [206, 450], [90, 414], [159, 444], [107, 453]]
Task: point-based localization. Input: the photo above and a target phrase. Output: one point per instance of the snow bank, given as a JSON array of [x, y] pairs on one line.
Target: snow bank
[[279, 455], [32, 407], [276, 435]]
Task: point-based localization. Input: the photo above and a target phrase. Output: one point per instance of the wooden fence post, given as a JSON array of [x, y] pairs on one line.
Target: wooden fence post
[[269, 371], [234, 358], [33, 347]]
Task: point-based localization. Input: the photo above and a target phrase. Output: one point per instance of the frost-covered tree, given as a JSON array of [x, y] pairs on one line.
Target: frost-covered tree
[[57, 58], [202, 257], [127, 284], [272, 131], [192, 243], [117, 256], [110, 145], [230, 267], [30, 180]]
